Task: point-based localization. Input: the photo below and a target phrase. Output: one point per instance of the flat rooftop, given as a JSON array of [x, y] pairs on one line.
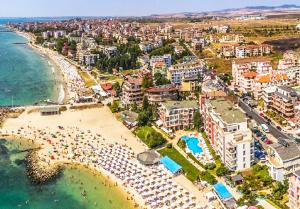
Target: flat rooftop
[[227, 111], [287, 153], [170, 105]]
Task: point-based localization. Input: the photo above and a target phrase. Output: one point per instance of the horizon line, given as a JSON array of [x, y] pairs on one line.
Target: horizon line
[[140, 16]]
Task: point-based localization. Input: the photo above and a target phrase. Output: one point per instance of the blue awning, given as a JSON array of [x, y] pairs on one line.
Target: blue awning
[[170, 164]]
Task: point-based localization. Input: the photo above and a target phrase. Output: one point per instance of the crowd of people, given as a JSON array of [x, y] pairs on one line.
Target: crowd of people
[[152, 187]]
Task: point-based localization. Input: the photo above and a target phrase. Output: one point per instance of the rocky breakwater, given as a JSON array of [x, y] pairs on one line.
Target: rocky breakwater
[[39, 171]]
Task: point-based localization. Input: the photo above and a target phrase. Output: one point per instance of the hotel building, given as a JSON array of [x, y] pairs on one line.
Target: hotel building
[[132, 91], [227, 130], [161, 93], [177, 115], [177, 73]]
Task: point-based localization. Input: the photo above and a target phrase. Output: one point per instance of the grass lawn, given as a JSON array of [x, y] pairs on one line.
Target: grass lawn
[[87, 78], [220, 65], [150, 136], [212, 151], [190, 171]]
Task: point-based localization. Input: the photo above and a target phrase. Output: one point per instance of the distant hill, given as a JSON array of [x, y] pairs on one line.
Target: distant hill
[[264, 10]]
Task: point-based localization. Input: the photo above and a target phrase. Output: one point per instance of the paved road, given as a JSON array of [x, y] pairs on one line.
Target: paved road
[[259, 120]]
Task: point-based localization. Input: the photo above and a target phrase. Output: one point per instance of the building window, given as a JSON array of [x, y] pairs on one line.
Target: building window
[[244, 152]]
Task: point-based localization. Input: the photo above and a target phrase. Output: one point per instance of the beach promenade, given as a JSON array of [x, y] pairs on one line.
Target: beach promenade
[[93, 137]]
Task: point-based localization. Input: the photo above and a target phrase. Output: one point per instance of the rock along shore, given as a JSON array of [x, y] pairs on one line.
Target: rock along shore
[[40, 172]]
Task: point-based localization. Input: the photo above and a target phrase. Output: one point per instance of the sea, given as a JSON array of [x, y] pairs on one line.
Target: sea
[[26, 77], [76, 188]]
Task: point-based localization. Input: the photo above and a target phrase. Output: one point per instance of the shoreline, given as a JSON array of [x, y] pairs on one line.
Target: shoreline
[[97, 173], [51, 62], [72, 82]]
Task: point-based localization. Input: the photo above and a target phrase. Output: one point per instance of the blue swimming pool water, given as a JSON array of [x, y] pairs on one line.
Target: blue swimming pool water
[[193, 144], [222, 191], [170, 164]]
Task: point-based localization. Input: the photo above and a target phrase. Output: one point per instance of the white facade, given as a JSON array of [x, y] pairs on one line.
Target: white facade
[[228, 132], [177, 73]]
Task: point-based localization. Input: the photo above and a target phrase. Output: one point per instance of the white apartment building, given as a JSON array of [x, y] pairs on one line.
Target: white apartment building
[[59, 33], [232, 38], [177, 115], [166, 58], [241, 66], [132, 91], [283, 160], [177, 73], [227, 129]]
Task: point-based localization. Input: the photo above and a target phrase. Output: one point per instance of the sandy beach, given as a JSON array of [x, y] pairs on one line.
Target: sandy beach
[[94, 138], [73, 84]]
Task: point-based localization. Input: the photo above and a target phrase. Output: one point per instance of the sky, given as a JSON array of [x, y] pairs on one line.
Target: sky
[[51, 8]]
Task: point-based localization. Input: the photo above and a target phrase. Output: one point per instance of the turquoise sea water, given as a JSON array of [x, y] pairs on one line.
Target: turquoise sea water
[[16, 191], [25, 76]]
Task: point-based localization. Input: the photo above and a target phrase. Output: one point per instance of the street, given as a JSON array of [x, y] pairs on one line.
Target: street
[[259, 120]]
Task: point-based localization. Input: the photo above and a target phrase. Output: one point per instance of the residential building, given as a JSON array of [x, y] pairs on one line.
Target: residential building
[[227, 130], [290, 59], [166, 59], [88, 58], [267, 96], [252, 50], [59, 33], [162, 93], [283, 160], [294, 190], [177, 73], [232, 38], [227, 51], [247, 81], [189, 84], [110, 51], [282, 100], [132, 91], [177, 115], [241, 66], [267, 80]]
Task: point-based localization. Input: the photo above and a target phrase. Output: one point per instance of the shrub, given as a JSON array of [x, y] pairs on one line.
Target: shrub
[[210, 166], [222, 171], [169, 146], [206, 176], [150, 137]]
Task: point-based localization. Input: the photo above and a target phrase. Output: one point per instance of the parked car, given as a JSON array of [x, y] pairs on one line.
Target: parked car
[[268, 141], [279, 128]]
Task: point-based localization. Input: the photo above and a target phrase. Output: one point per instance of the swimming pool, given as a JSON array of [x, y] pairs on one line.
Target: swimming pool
[[193, 144], [222, 191]]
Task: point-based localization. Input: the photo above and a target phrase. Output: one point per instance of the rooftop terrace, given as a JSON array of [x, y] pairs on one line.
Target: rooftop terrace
[[227, 111]]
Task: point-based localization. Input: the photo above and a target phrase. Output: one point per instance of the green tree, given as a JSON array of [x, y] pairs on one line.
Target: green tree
[[147, 82], [146, 104], [117, 88], [206, 176], [114, 106], [73, 45], [60, 44], [197, 121], [159, 79], [222, 171], [143, 118]]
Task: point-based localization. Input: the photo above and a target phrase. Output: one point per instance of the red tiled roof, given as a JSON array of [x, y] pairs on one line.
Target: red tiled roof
[[107, 86], [250, 74], [167, 88]]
